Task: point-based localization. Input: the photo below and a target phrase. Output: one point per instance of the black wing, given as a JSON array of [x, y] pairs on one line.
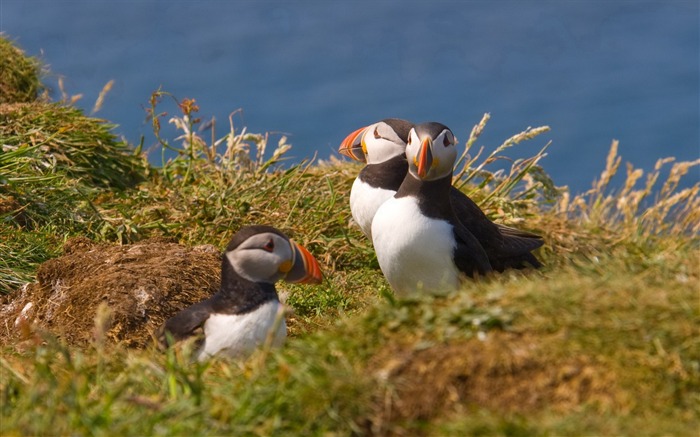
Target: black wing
[[506, 247], [185, 323], [507, 231], [469, 256]]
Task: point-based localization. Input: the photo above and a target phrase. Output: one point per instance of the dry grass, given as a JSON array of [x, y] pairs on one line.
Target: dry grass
[[645, 210], [142, 284], [506, 197], [19, 74]]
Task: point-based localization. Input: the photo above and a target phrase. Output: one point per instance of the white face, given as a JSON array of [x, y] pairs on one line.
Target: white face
[[262, 257], [381, 143], [431, 151]]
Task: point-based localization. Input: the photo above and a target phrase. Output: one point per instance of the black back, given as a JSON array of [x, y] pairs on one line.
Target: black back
[[506, 247]]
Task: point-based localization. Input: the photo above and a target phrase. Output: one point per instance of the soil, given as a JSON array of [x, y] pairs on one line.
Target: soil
[[10, 206], [141, 284], [506, 372]]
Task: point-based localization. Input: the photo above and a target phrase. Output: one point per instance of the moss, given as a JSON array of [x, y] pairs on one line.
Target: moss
[[19, 74]]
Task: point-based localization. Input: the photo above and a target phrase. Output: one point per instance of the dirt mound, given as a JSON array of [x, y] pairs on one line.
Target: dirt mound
[[504, 372], [142, 284]]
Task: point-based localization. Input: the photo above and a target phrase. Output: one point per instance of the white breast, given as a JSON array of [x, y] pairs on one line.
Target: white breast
[[238, 335], [365, 200], [414, 251]]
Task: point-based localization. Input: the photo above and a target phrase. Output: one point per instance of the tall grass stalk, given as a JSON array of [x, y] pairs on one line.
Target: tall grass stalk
[[639, 210], [235, 160], [495, 188]]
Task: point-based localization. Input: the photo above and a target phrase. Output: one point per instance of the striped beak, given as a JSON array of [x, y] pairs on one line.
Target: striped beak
[[424, 158], [352, 146], [304, 268]]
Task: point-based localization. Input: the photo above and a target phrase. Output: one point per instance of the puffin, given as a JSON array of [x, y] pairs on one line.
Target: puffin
[[420, 244], [382, 146], [246, 309]]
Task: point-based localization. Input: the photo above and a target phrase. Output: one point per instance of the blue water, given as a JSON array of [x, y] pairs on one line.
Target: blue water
[[316, 70]]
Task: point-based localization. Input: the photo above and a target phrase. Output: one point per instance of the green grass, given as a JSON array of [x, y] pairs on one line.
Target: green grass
[[19, 74], [55, 164], [640, 336], [604, 340]]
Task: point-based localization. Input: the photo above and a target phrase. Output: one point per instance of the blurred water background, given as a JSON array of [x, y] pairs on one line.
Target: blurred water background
[[316, 70]]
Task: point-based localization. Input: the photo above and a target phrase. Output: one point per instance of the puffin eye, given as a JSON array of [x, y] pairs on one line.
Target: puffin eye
[[446, 142], [269, 246], [376, 133]]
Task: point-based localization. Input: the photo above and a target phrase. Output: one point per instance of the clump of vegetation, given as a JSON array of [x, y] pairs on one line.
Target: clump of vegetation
[[55, 162], [647, 210], [19, 75], [525, 185], [48, 139], [603, 340]]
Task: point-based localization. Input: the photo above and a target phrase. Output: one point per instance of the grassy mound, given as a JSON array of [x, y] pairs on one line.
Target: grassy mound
[[142, 285], [19, 74], [602, 340], [46, 139]]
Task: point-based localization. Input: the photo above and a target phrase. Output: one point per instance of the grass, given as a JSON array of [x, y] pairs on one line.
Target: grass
[[604, 340], [19, 74], [55, 163]]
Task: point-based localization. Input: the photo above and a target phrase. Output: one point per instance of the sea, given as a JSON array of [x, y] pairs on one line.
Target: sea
[[314, 71]]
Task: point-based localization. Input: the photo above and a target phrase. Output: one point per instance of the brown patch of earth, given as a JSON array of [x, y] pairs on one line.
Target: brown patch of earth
[[142, 284], [505, 372], [10, 206]]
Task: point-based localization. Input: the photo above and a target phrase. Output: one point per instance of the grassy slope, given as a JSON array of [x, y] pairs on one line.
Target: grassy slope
[[603, 340]]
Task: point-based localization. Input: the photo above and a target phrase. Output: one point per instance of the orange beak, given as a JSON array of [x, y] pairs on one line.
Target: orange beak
[[305, 269], [424, 159], [352, 146]]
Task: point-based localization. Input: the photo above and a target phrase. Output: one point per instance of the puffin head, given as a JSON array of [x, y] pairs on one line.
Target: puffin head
[[264, 254], [377, 142], [431, 151]]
